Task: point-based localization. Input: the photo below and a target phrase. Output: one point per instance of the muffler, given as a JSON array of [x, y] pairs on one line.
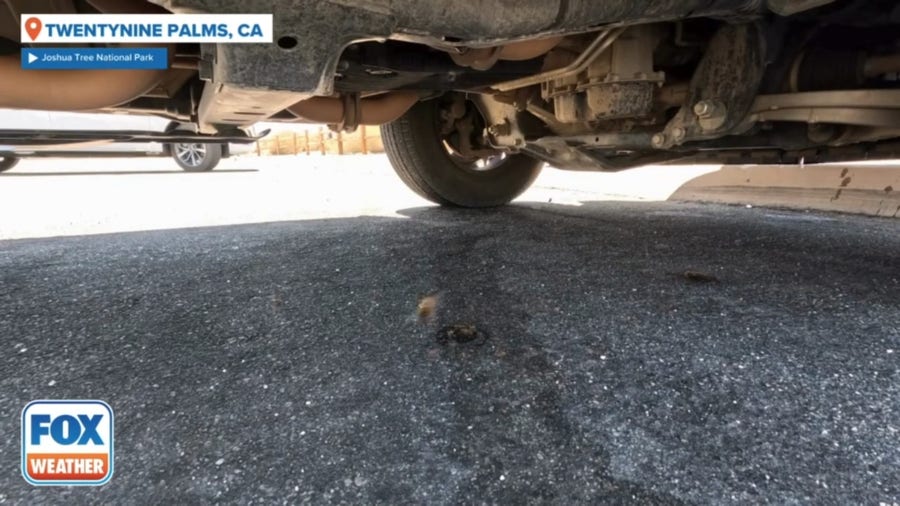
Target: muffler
[[348, 111]]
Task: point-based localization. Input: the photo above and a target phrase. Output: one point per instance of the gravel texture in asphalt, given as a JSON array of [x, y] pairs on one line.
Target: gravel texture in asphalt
[[623, 353]]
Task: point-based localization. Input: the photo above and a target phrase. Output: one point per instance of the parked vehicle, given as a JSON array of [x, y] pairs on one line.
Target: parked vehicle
[[475, 96], [190, 156]]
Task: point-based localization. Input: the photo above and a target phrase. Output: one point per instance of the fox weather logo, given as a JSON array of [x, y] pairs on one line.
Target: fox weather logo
[[67, 442]]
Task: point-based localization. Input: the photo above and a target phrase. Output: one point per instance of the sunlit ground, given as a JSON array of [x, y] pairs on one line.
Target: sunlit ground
[[53, 197]]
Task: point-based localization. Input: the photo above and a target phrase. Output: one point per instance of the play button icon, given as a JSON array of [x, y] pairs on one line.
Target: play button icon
[[32, 58]]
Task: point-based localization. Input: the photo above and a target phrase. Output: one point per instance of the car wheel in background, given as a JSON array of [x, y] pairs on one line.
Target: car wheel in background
[[427, 161], [8, 162], [196, 157]]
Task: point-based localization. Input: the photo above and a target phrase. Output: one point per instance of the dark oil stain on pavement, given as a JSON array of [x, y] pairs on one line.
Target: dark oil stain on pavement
[[461, 333], [695, 276], [504, 382]]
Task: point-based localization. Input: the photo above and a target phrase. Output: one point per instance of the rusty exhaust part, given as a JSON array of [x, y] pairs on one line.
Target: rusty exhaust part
[[127, 7], [185, 62], [485, 58], [71, 90], [528, 49], [348, 111]]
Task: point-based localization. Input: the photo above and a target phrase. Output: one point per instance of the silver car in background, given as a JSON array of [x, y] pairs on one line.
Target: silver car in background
[[189, 156]]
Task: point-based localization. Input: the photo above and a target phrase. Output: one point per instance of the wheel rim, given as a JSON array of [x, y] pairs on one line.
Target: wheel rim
[[490, 162], [191, 155], [458, 131], [483, 164]]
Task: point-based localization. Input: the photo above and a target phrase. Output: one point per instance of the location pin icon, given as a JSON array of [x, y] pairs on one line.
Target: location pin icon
[[33, 27]]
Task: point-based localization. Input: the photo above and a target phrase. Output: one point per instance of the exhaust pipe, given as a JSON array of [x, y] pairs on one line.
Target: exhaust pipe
[[375, 110], [485, 58], [127, 7]]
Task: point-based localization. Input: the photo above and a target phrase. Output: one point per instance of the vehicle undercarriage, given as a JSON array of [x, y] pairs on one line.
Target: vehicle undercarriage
[[582, 85]]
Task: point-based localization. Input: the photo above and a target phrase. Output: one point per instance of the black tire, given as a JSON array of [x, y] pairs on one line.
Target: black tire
[[196, 157], [8, 162], [414, 146]]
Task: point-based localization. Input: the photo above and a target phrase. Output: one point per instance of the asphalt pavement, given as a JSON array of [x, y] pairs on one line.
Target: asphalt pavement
[[620, 353]]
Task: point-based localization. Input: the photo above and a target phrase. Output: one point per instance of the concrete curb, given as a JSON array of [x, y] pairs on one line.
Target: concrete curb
[[852, 188]]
